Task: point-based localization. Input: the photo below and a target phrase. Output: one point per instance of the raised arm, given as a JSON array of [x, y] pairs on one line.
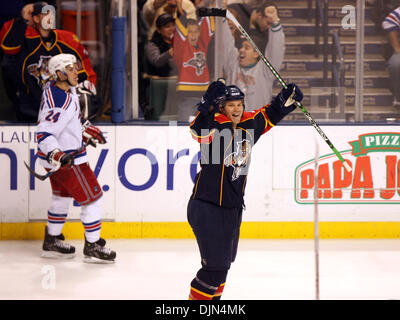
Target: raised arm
[[230, 52], [269, 115], [275, 49], [202, 127]]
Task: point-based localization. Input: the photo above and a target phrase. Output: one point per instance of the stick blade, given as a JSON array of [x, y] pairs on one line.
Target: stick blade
[[212, 12]]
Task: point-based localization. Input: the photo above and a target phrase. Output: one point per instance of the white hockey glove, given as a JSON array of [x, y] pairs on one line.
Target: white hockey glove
[[59, 159], [87, 85], [91, 134]]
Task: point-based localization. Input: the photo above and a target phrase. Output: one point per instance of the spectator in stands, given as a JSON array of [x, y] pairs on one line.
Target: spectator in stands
[[191, 42], [245, 69], [242, 14], [260, 20], [8, 64], [154, 8], [160, 63], [211, 46], [30, 38], [159, 50], [143, 82], [391, 24]]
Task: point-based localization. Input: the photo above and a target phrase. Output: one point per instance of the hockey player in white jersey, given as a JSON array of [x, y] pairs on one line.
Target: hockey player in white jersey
[[59, 133]]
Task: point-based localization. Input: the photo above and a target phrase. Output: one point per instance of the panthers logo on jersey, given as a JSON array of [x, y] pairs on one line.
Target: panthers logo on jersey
[[40, 71], [239, 159], [198, 62]]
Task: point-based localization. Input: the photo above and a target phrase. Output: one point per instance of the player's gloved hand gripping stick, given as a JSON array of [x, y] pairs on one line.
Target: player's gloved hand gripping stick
[[91, 135], [225, 13], [63, 159]]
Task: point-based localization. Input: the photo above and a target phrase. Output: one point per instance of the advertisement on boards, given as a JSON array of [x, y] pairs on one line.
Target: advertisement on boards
[[147, 174]]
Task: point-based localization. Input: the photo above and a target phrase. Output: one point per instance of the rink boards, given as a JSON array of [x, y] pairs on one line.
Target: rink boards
[[147, 175]]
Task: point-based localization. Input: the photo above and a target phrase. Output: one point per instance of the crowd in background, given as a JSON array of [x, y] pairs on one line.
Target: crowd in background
[[161, 70], [179, 50], [177, 53]]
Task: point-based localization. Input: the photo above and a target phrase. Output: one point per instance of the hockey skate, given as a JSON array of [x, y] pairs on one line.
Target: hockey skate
[[97, 252], [55, 247]]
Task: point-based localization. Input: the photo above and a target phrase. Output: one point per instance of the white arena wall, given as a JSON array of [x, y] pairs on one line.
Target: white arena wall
[[147, 177]]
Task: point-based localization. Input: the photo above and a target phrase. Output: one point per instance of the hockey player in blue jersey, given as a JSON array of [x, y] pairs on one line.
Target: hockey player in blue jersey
[[227, 134]]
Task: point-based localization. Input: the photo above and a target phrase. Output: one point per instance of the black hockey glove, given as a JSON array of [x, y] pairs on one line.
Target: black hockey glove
[[284, 103], [215, 91]]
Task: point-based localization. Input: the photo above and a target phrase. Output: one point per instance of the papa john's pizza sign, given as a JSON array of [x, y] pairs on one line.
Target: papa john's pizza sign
[[374, 179]]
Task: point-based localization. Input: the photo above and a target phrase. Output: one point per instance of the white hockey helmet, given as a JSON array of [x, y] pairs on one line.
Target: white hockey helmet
[[59, 62]]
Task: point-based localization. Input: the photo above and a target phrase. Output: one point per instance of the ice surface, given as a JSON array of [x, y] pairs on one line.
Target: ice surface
[[161, 269]]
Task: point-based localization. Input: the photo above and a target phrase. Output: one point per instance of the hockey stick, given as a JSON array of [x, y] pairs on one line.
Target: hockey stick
[[39, 176], [217, 12], [55, 169]]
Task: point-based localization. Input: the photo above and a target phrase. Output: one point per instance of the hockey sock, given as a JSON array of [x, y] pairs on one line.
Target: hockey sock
[[205, 284], [57, 214], [92, 230], [200, 290], [91, 220], [55, 223], [218, 293]]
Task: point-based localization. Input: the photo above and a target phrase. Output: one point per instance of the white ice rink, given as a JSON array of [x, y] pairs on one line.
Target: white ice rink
[[160, 269]]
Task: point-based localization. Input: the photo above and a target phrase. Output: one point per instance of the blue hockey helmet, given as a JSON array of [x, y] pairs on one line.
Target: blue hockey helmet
[[231, 93]]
